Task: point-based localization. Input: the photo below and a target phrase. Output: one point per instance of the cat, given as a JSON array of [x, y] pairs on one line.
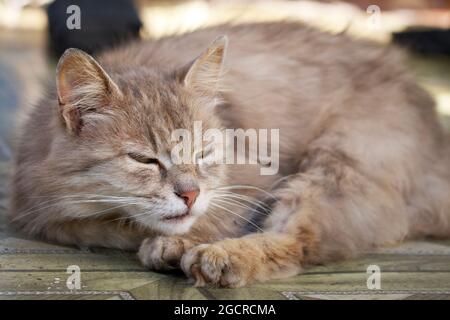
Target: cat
[[363, 161]]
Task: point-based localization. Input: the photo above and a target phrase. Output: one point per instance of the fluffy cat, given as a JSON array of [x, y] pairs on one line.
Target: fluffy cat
[[363, 161]]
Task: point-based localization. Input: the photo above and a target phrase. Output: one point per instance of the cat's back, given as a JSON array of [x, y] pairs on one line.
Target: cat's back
[[258, 44], [292, 77], [282, 64]]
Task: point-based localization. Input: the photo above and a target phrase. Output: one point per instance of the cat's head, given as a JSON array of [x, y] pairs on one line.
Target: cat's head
[[114, 142]]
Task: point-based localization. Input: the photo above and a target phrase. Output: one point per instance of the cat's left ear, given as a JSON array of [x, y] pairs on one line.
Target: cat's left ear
[[204, 73]]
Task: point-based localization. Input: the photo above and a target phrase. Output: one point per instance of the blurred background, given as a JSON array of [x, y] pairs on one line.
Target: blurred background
[[33, 33]]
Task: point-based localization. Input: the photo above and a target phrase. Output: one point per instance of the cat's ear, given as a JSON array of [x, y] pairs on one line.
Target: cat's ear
[[204, 73], [82, 86]]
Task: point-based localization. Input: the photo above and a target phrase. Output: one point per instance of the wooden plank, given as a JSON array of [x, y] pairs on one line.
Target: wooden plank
[[86, 261], [412, 281], [90, 281], [60, 296], [173, 288], [13, 244], [389, 263]]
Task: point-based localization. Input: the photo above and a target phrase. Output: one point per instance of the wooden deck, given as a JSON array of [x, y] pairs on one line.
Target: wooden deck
[[35, 270]]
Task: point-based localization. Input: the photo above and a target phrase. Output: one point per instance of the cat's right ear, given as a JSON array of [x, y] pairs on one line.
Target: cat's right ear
[[83, 87], [204, 73]]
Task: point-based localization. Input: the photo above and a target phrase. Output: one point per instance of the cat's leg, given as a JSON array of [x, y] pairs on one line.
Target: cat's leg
[[237, 262], [164, 252], [334, 208]]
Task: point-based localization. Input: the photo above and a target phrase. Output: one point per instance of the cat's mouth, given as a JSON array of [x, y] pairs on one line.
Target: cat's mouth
[[179, 217]]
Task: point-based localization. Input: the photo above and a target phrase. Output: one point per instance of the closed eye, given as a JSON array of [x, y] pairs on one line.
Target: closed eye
[[143, 159]]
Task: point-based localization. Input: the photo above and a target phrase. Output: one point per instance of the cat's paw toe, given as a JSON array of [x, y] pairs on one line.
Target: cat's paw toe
[[161, 253], [209, 263]]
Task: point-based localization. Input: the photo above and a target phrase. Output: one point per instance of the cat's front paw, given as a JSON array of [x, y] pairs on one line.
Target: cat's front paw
[[211, 263], [163, 253]]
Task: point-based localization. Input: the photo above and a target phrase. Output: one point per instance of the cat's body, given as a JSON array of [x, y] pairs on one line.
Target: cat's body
[[363, 160]]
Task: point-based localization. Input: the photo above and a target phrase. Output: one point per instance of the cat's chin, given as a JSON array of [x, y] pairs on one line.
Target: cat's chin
[[181, 223], [172, 225], [175, 226]]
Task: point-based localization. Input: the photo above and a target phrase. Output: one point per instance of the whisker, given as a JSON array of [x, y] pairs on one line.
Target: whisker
[[132, 216], [263, 211], [105, 210], [215, 215], [247, 187], [236, 214], [280, 180], [247, 199], [56, 202], [237, 203], [233, 202], [243, 196]]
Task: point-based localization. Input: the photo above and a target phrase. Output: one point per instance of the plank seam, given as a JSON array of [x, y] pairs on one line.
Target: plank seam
[[124, 295]]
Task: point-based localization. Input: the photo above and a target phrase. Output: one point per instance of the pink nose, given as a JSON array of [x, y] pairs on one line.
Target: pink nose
[[189, 197]]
